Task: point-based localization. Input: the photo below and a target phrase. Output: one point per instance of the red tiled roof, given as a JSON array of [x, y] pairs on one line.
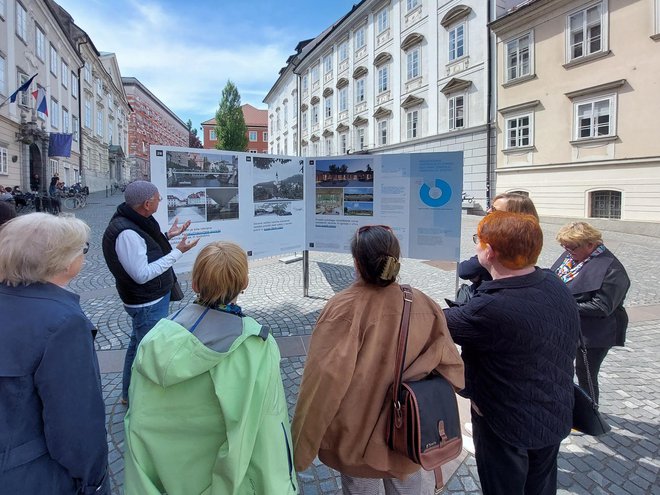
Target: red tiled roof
[[253, 116]]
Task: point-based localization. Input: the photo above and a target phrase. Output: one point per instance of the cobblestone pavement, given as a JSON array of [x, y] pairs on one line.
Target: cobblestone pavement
[[624, 461]]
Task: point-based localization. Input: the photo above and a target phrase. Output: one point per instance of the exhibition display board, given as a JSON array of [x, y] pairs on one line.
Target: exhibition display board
[[272, 205]]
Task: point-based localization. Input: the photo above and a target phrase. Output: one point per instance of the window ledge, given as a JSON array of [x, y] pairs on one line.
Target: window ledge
[[586, 58], [456, 61], [519, 80], [655, 37], [598, 140], [519, 150]]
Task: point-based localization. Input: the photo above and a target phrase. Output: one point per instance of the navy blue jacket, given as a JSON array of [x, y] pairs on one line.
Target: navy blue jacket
[[518, 337], [52, 416]]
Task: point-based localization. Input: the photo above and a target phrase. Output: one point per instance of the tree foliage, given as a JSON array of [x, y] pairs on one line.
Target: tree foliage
[[230, 123], [193, 138]]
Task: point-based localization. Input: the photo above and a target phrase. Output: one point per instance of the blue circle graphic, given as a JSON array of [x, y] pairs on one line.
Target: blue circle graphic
[[443, 199]]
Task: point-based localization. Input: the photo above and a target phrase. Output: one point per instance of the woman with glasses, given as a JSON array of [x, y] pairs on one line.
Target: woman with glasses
[[599, 283], [52, 435], [470, 269], [342, 411]]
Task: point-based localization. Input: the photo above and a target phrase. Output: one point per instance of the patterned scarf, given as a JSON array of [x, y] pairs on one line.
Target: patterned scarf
[[568, 269]]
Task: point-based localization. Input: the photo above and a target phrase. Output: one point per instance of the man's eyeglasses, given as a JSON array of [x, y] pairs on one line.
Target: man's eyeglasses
[[86, 248]]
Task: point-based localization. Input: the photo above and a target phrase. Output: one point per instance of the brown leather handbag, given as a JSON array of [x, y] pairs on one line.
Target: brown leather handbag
[[424, 423]]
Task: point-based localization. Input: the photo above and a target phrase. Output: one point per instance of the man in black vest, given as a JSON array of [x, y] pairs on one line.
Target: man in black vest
[[140, 257]]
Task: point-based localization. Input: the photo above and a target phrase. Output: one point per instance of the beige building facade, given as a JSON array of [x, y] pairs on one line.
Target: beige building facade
[[578, 92]]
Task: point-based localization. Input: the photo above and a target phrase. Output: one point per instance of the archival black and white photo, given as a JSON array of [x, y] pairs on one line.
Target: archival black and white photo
[[201, 169], [277, 179], [273, 208], [222, 203], [186, 204]]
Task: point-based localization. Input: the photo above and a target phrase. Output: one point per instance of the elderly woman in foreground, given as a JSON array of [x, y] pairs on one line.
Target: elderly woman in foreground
[[518, 336], [52, 435], [342, 411], [207, 408], [599, 283]]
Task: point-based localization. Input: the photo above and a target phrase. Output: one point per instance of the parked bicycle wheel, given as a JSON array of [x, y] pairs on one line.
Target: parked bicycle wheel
[[71, 203]]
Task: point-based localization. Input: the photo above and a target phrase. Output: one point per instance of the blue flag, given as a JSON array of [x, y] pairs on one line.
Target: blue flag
[[23, 87], [60, 144]]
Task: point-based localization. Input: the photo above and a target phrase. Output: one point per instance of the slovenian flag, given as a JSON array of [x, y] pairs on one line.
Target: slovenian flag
[[40, 96]]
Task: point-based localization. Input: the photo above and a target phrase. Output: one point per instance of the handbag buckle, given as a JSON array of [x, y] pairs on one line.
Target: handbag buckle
[[398, 419]]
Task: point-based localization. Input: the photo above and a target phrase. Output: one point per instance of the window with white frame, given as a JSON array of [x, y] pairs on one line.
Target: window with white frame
[[74, 127], [411, 5], [110, 131], [586, 31], [54, 166], [382, 132], [328, 146], [327, 64], [99, 122], [605, 204], [382, 20], [88, 72], [88, 114], [594, 117], [99, 87], [315, 114], [54, 113], [65, 120], [412, 64], [3, 75], [4, 162], [40, 43], [359, 40], [359, 90], [23, 99], [303, 116], [3, 9], [518, 132], [412, 119], [213, 135], [342, 51], [343, 143], [111, 102], [360, 138], [518, 57], [252, 136], [327, 105], [342, 96], [285, 112], [315, 149], [54, 60], [383, 78], [315, 74], [457, 42], [456, 112], [305, 83], [21, 21], [65, 74]]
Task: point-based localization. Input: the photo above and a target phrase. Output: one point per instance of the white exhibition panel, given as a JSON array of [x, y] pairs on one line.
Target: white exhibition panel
[[273, 205]]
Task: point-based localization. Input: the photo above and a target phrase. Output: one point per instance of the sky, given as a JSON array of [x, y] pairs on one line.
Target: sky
[[184, 52]]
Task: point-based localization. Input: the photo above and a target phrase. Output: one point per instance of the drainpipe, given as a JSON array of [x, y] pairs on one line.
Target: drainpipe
[[83, 182], [489, 124]]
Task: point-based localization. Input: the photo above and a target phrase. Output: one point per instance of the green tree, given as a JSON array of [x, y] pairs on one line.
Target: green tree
[[230, 123], [193, 138]]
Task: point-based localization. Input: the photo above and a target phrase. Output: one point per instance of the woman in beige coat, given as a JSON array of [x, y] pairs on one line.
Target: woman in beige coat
[[342, 411]]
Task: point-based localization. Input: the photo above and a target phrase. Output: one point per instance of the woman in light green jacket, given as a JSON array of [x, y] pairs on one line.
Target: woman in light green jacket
[[207, 408]]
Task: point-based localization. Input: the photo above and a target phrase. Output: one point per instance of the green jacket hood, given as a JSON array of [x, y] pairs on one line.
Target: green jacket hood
[[181, 356]]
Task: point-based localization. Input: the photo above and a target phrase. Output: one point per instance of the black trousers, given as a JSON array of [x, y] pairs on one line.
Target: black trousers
[[508, 470], [595, 357]]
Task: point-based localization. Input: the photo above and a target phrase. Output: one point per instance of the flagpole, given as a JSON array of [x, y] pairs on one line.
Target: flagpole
[[5, 101], [23, 87]]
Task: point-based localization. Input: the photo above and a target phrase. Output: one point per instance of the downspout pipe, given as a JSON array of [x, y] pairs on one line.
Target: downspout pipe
[[489, 124]]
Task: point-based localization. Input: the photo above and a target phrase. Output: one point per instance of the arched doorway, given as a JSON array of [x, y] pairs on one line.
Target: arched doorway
[[36, 167]]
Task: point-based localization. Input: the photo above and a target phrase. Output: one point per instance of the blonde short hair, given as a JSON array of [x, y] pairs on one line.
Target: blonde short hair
[[220, 273], [579, 233], [36, 247]]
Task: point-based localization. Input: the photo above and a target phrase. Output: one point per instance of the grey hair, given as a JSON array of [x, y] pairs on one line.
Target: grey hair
[[38, 246]]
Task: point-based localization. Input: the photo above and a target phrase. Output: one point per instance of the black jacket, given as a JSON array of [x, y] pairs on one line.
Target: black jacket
[[130, 291], [518, 337], [600, 288]]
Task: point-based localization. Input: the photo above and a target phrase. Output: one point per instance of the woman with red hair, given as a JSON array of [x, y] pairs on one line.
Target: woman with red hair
[[518, 336]]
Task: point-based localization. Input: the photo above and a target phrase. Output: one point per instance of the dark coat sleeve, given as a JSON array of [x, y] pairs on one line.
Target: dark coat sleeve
[[68, 383], [609, 296], [466, 325], [471, 268]]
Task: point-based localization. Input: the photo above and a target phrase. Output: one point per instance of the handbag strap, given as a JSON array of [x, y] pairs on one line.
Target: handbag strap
[[403, 342], [583, 351]]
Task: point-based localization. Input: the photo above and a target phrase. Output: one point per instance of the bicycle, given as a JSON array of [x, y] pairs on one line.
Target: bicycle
[[75, 201]]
